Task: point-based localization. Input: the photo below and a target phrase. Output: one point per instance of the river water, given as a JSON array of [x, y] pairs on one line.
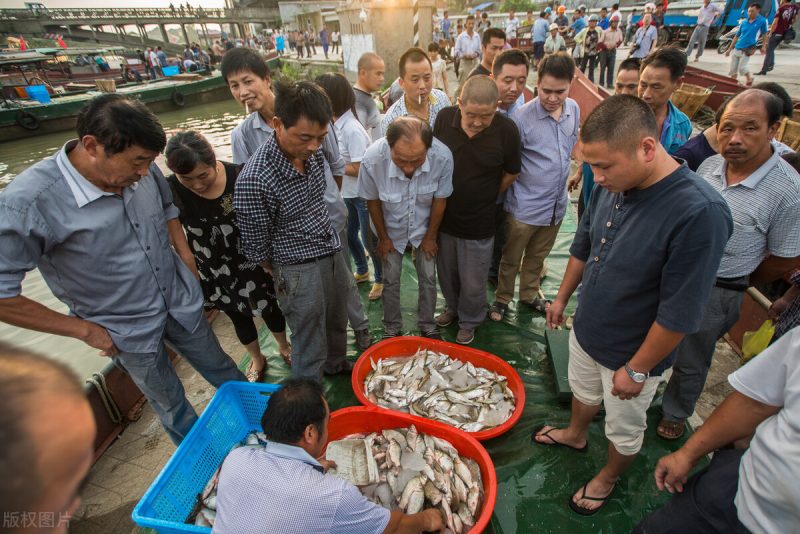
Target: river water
[[215, 121]]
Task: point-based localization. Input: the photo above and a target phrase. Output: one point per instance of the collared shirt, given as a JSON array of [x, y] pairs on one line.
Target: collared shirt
[[515, 105], [612, 38], [540, 28], [511, 26], [353, 142], [480, 162], [248, 136], [406, 202], [579, 24], [676, 129], [280, 211], [539, 196], [107, 257], [749, 31], [708, 14], [604, 23], [766, 213], [644, 39], [551, 46], [282, 489], [468, 46], [368, 115], [647, 262], [437, 100]]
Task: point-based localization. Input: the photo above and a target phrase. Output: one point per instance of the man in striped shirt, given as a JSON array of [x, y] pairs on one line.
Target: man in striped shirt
[[763, 194]]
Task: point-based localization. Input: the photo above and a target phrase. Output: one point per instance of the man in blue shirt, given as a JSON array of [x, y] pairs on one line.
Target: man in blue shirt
[[605, 22], [579, 22], [540, 28], [97, 220], [662, 74], [645, 270], [283, 487], [745, 43]]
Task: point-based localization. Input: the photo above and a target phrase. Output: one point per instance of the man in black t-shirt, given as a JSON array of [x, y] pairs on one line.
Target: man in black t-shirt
[[493, 41], [486, 152]]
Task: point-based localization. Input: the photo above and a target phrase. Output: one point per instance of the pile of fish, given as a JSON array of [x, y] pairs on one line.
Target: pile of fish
[[402, 469], [204, 511], [433, 385]]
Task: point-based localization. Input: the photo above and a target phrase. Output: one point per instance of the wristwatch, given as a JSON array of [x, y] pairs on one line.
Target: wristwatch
[[635, 375]]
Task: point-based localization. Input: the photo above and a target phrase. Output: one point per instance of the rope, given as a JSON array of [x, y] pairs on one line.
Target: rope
[[99, 382]]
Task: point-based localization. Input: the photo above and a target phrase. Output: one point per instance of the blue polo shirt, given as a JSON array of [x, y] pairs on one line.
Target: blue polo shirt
[[579, 24], [749, 30], [676, 130], [647, 262]]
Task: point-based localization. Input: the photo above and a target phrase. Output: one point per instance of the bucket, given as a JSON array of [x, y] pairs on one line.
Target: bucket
[[690, 98], [172, 70], [38, 93], [360, 419], [408, 345]]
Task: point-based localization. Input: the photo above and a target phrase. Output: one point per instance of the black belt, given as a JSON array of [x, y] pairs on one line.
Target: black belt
[[312, 260], [740, 283]]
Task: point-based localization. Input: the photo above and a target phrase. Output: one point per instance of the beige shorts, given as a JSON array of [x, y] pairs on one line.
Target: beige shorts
[[591, 383]]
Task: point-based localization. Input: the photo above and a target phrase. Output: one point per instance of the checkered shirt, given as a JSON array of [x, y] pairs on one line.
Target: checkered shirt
[[281, 212]]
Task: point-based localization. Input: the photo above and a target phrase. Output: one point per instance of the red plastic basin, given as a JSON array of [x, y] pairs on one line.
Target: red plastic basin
[[408, 345], [363, 419]]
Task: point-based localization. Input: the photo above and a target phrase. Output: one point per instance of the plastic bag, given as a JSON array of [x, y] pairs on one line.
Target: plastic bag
[[754, 342]]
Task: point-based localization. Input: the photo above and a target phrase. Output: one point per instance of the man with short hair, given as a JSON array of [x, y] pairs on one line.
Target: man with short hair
[[779, 32], [284, 484], [706, 18], [483, 24], [97, 220], [604, 22], [661, 75], [537, 201], [612, 39], [633, 308], [486, 156], [748, 490], [49, 431], [511, 25], [324, 40], [579, 21], [406, 178], [745, 43], [162, 58], [371, 71], [763, 194], [466, 52], [419, 97], [539, 36], [286, 228], [492, 43]]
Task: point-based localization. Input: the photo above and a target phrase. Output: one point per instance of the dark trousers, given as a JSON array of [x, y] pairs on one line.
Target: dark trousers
[[538, 52], [335, 47], [245, 327], [706, 504], [769, 60], [589, 61], [608, 59], [499, 240]]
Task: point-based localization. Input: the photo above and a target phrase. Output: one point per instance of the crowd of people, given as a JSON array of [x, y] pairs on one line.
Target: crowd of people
[[672, 230]]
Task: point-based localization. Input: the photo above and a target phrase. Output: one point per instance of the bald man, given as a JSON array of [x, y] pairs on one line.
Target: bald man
[[48, 432], [485, 147], [371, 71]]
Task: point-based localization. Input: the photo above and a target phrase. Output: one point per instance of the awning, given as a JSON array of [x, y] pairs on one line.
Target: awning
[[482, 7]]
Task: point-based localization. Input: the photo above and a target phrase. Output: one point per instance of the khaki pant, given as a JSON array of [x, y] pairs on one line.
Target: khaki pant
[[532, 242], [465, 66]]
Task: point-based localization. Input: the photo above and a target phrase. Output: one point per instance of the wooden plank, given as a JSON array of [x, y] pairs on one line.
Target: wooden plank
[[557, 345]]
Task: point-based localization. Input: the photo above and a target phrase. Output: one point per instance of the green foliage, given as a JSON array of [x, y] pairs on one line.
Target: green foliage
[[519, 6]]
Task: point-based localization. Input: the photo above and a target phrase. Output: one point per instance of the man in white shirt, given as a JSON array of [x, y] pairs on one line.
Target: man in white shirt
[[467, 51], [753, 490], [511, 24], [705, 19]]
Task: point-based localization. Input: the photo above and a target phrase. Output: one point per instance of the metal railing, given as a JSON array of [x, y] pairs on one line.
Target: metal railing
[[60, 14]]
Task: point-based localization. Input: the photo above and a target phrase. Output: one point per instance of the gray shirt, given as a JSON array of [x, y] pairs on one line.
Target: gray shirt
[[406, 202], [107, 257], [368, 115], [253, 132]]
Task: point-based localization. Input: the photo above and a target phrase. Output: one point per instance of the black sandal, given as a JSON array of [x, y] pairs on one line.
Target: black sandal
[[539, 305], [500, 309], [553, 442], [585, 511]]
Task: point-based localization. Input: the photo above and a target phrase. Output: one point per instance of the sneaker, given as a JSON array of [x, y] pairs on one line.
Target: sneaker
[[363, 339], [376, 292], [446, 318], [390, 335], [465, 336], [432, 334], [359, 278]]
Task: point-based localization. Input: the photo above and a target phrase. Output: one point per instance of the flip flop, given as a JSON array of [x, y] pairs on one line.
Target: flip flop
[[585, 511], [498, 308], [553, 441], [672, 430], [255, 376]]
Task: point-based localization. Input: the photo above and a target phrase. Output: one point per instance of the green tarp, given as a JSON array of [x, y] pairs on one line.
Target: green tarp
[[534, 481]]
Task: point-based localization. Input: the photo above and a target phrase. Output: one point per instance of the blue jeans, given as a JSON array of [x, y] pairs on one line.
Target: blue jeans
[[772, 44], [359, 237], [156, 377]]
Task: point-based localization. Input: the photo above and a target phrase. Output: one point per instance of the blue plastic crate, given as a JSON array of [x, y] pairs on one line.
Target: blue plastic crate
[[172, 70], [235, 410]]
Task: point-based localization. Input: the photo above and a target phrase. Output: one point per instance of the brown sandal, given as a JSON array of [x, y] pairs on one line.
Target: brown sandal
[[253, 375], [670, 430]]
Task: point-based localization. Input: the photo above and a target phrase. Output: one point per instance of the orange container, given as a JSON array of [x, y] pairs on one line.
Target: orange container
[[408, 345], [362, 419]]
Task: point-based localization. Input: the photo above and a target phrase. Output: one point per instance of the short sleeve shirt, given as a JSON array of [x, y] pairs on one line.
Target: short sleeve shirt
[[647, 262], [248, 136], [480, 162], [437, 100], [749, 31], [406, 202], [368, 115], [768, 496], [785, 15], [353, 142]]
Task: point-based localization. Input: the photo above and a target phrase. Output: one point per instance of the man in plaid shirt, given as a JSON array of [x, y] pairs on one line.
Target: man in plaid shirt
[[286, 228]]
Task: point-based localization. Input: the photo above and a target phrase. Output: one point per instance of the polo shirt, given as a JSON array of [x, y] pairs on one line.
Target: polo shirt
[[647, 262], [540, 28], [749, 31], [248, 136], [280, 488], [479, 165], [766, 213], [406, 202], [579, 24], [480, 70]]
